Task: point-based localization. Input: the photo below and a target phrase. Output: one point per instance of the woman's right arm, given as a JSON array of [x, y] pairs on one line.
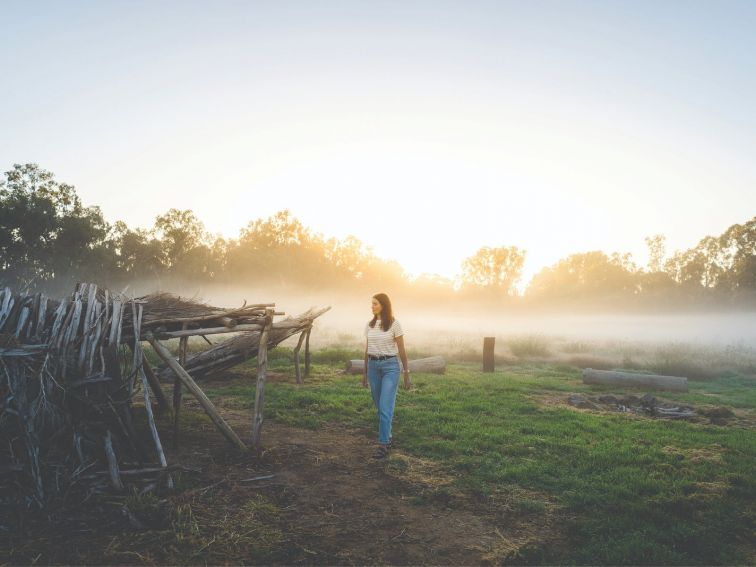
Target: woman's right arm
[[364, 371]]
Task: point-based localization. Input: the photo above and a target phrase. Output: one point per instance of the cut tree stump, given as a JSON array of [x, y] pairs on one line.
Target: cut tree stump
[[431, 365], [488, 353], [647, 381]]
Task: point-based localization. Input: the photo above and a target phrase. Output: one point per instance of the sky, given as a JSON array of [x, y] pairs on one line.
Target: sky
[[427, 129]]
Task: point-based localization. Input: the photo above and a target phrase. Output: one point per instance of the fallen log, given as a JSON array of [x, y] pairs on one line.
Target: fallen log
[[430, 365], [647, 381]]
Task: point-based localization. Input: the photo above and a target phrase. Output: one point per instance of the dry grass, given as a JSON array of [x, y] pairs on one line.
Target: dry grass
[[525, 346], [420, 472], [711, 454]]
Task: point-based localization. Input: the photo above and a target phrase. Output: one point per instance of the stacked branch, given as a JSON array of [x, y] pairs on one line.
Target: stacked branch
[[244, 346], [167, 316], [67, 380]]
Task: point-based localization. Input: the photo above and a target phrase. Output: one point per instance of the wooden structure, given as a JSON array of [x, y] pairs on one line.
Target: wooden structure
[[70, 371], [647, 381], [245, 346]]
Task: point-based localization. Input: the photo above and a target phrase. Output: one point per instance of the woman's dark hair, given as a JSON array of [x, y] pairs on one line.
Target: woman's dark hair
[[387, 315]]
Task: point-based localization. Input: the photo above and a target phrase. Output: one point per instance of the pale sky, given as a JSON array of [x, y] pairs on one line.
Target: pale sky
[[426, 129]]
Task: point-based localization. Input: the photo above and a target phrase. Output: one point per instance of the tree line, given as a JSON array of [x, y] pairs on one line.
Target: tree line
[[49, 240]]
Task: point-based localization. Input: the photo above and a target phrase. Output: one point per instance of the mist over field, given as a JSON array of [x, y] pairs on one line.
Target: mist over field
[[425, 323]]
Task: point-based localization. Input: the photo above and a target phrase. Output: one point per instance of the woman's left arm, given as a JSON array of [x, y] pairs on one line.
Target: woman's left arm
[[405, 362]]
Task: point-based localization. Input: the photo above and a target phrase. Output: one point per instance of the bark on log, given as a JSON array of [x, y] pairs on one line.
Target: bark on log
[[262, 365], [296, 357], [177, 393], [151, 421], [431, 365], [154, 384], [307, 352], [243, 346], [115, 478], [163, 335], [647, 381]]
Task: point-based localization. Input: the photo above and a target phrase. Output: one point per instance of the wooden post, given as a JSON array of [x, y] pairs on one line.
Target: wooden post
[[154, 384], [177, 391], [151, 421], [187, 380], [262, 363], [296, 357], [307, 352], [488, 354], [115, 477]]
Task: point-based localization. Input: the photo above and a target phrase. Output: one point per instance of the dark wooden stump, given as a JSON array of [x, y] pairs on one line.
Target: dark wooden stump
[[488, 354]]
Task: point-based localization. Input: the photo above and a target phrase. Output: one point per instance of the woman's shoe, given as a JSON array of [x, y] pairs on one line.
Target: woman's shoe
[[381, 452]]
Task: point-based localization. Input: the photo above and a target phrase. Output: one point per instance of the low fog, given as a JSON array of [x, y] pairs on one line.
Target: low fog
[[344, 323]]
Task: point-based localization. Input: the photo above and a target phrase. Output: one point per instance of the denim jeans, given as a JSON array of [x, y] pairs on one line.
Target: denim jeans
[[383, 376]]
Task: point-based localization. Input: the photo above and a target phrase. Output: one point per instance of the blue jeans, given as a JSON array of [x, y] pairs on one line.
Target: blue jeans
[[383, 376]]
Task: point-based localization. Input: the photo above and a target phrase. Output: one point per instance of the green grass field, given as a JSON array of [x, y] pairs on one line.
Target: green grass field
[[630, 490]]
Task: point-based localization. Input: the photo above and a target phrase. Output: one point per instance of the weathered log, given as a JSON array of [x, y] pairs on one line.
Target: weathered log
[[296, 357], [208, 331], [115, 478], [206, 404], [151, 419], [154, 384], [647, 381], [243, 346], [431, 365], [177, 393], [262, 364], [307, 352]]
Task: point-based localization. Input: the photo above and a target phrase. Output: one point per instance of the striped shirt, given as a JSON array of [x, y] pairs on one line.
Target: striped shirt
[[380, 342]]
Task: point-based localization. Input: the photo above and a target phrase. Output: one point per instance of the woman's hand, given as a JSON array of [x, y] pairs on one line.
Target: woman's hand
[[364, 381], [407, 381]]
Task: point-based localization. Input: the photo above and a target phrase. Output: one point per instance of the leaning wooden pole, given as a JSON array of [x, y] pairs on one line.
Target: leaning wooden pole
[[177, 391], [115, 476], [297, 368], [153, 425], [187, 380], [154, 384], [262, 364], [307, 351]]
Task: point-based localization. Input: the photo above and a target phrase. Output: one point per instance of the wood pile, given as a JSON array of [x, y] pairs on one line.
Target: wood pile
[[244, 346], [72, 370]]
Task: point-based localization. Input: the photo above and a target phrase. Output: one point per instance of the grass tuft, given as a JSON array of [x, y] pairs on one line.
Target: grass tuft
[[528, 345]]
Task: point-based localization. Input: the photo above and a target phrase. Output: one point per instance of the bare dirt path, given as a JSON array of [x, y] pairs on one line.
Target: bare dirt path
[[327, 502], [338, 505]]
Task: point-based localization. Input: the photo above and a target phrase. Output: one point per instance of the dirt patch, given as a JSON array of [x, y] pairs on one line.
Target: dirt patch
[[313, 497], [647, 406]]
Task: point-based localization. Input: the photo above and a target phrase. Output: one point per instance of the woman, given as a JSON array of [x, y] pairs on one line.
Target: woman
[[384, 340]]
